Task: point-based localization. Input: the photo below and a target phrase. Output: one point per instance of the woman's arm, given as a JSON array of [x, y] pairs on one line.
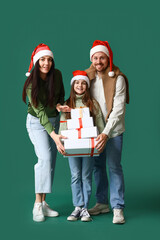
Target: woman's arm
[[41, 114]]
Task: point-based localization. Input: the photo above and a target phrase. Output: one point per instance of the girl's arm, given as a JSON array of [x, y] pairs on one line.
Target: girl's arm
[[63, 123], [99, 121]]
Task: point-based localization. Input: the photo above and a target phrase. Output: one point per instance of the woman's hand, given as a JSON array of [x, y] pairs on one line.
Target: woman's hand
[[57, 139], [63, 108], [101, 142]]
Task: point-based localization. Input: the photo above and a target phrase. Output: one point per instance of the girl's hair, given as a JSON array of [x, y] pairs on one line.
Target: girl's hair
[[34, 80], [87, 101]]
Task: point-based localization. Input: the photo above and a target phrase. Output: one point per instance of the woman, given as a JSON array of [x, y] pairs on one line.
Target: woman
[[45, 91]]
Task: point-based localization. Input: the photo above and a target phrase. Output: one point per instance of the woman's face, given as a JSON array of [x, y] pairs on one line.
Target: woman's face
[[80, 86], [45, 64]]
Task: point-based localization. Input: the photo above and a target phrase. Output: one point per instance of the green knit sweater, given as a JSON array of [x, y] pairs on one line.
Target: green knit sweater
[[98, 121], [42, 111]]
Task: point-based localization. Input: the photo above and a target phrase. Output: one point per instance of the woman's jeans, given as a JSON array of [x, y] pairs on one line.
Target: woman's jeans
[[45, 150], [81, 180], [112, 153]]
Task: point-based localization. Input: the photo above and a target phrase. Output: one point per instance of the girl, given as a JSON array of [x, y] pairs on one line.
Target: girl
[[81, 167], [44, 89]]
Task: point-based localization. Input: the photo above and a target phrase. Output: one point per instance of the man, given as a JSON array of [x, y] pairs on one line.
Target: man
[[109, 87]]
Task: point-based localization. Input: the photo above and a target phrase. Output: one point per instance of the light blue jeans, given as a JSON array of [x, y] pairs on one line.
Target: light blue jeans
[[46, 152], [81, 180], [112, 153]]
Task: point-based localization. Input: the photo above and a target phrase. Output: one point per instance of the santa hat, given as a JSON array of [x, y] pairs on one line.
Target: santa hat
[[77, 75], [40, 51], [103, 46]]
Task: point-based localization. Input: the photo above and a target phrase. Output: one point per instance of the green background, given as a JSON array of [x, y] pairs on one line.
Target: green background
[[69, 28]]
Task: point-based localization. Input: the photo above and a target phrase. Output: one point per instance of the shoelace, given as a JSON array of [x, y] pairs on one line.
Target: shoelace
[[75, 212], [85, 213], [117, 213], [39, 207]]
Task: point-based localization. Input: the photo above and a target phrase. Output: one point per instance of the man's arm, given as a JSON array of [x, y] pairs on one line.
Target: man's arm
[[116, 115]]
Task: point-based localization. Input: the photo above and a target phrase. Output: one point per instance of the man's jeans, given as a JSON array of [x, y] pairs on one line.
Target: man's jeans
[[81, 180], [46, 152], [112, 153]]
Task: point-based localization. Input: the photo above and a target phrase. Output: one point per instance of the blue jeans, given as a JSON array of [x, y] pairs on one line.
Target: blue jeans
[[112, 153], [46, 152], [81, 180]]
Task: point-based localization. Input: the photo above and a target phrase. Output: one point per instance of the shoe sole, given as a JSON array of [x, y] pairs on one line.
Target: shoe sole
[[47, 215], [72, 220], [99, 212], [38, 220], [86, 220], [122, 222]]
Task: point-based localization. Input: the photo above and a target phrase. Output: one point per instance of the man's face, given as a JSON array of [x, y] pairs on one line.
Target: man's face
[[100, 61]]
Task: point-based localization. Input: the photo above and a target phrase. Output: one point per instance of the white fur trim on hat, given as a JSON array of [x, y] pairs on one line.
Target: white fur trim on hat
[[41, 54], [111, 74], [99, 48], [78, 77]]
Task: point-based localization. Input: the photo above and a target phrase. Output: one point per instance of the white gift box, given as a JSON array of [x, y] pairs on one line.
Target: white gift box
[[80, 147], [80, 133], [80, 123], [80, 113]]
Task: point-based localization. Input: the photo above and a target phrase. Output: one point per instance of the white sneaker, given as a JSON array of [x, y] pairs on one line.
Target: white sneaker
[[38, 215], [118, 216], [99, 208], [47, 211], [85, 217], [75, 215]]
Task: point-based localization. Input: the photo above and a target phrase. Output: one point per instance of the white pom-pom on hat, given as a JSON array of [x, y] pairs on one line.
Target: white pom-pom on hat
[[27, 74], [111, 74]]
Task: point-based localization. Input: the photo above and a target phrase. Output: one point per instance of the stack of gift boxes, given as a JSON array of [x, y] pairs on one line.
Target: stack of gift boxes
[[81, 134]]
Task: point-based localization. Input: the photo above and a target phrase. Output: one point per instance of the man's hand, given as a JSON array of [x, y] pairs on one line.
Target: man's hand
[[57, 139], [63, 108], [101, 142]]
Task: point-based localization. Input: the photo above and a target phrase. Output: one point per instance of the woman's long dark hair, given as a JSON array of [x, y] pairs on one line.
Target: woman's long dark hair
[[34, 79], [86, 100]]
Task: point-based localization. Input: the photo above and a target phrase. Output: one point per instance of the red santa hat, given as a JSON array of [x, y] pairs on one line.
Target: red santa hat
[[40, 51], [77, 75], [103, 46]]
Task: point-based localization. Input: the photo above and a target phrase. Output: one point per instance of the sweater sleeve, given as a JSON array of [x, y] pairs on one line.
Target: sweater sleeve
[[40, 112], [99, 121], [118, 110], [63, 123]]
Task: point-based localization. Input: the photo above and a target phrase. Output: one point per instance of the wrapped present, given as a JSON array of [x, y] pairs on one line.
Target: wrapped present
[[80, 147], [80, 112], [80, 133], [80, 123]]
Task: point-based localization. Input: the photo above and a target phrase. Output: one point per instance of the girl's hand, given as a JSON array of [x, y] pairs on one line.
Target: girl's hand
[[101, 142], [63, 108], [57, 139]]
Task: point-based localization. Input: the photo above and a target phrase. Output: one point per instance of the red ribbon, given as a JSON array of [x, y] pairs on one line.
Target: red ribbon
[[81, 154], [63, 121], [92, 147], [80, 123], [79, 133]]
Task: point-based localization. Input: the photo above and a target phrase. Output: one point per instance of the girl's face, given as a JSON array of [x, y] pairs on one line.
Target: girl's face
[[45, 64], [80, 86]]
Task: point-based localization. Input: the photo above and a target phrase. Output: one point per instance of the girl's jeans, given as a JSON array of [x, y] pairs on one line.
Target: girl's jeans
[[81, 180]]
